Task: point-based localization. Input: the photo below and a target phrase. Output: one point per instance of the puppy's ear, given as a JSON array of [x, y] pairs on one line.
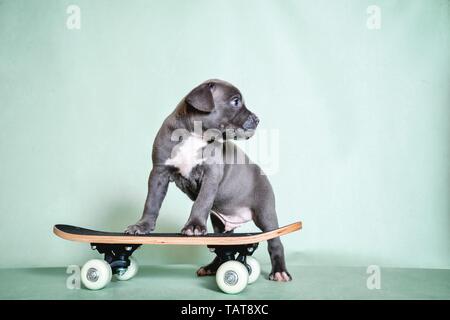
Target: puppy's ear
[[201, 98]]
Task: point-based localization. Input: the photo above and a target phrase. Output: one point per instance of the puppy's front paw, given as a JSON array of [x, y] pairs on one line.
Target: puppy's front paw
[[280, 276], [141, 227], [194, 229]]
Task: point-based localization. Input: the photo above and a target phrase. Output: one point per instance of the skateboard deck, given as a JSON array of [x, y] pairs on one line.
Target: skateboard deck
[[74, 233]]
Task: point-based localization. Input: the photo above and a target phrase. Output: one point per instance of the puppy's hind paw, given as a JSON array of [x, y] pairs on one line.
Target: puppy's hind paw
[[205, 271]]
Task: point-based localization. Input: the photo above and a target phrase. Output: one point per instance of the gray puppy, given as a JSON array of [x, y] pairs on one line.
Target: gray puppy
[[204, 166]]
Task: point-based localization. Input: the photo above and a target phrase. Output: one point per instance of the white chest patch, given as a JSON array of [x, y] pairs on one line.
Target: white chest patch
[[186, 155]]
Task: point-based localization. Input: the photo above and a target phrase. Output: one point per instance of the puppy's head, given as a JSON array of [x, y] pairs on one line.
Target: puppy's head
[[220, 106]]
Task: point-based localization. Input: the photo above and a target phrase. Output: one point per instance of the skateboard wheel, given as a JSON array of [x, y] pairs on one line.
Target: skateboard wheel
[[232, 277], [130, 272], [254, 269], [96, 274]]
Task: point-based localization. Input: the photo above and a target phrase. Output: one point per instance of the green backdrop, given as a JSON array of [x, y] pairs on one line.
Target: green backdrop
[[362, 116]]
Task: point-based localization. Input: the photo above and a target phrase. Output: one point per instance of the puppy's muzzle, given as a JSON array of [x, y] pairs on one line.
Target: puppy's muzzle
[[251, 123], [245, 119]]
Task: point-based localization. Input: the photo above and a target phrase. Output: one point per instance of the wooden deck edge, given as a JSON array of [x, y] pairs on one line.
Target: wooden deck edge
[[188, 240]]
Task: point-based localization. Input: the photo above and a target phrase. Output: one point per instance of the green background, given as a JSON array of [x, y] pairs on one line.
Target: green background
[[363, 120]]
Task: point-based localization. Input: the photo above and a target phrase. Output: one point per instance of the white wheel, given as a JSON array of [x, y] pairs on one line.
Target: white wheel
[[255, 269], [130, 272], [232, 277], [96, 274]]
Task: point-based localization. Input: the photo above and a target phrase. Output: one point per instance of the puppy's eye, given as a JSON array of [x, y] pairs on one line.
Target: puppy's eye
[[235, 102]]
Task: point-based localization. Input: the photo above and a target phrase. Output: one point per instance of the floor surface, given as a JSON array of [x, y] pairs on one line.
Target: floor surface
[[180, 282]]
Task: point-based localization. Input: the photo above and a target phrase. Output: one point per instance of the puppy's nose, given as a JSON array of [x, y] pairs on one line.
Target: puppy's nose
[[255, 119]]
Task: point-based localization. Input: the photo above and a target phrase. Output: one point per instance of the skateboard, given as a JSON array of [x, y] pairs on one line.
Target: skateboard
[[237, 269]]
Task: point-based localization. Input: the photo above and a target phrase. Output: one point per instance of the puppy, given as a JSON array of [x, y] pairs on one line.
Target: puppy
[[193, 149]]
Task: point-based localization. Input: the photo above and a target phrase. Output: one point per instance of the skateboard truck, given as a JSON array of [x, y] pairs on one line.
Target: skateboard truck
[[117, 255], [228, 252]]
